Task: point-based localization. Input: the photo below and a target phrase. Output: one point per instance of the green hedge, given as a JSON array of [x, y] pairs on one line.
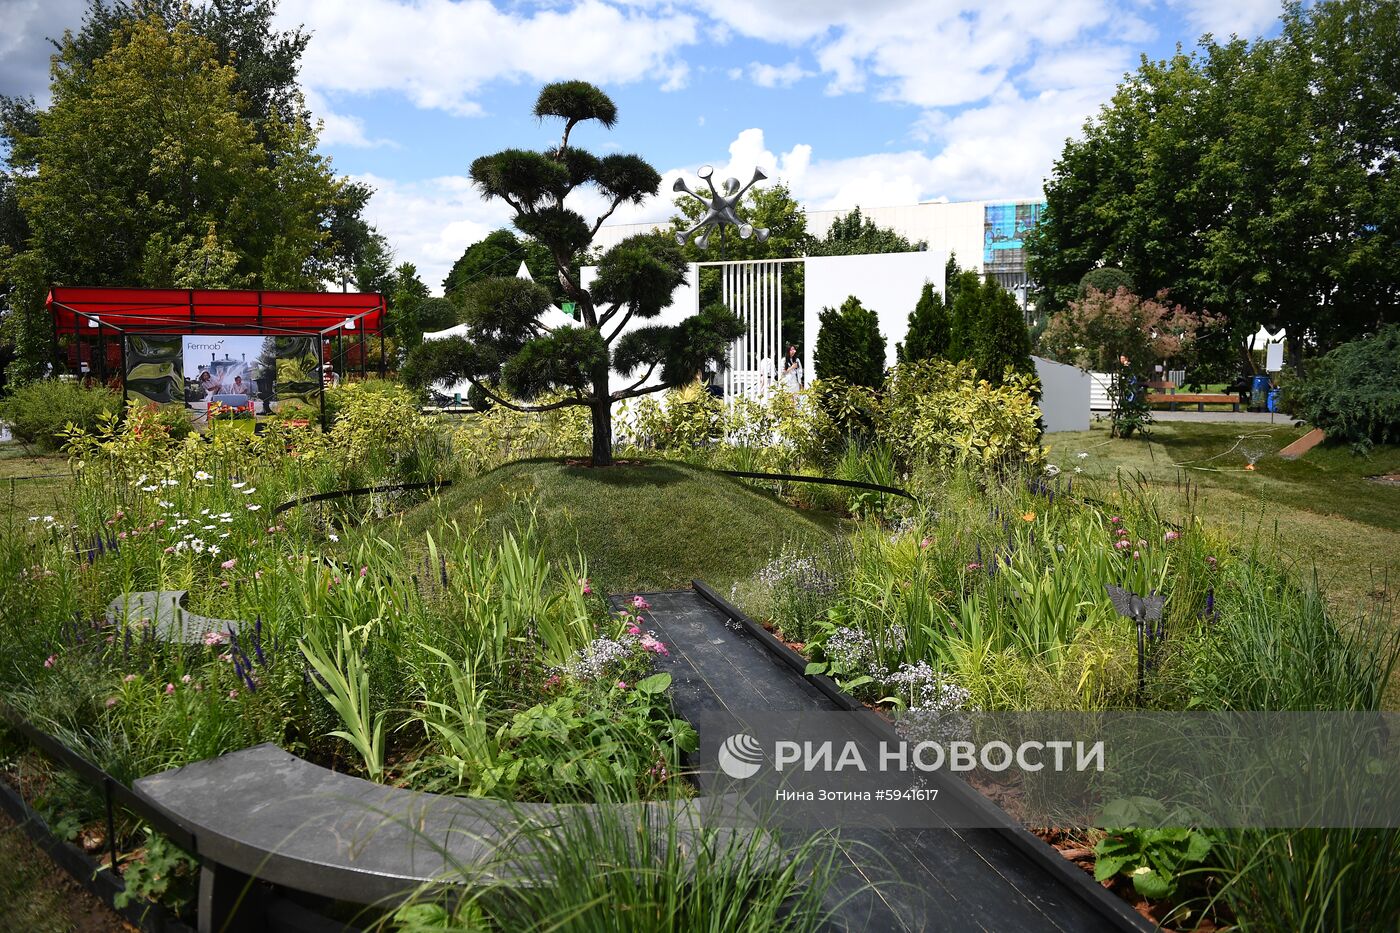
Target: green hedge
[[1353, 393], [39, 411]]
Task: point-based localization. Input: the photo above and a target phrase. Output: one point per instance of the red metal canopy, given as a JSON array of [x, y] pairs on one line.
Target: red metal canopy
[[193, 311]]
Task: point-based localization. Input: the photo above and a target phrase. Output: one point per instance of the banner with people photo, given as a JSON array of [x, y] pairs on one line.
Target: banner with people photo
[[226, 378]]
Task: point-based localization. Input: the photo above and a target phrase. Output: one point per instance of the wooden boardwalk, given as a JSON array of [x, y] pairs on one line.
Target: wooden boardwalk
[[904, 879]]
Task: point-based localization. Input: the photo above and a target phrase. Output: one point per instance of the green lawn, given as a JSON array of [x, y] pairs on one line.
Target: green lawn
[[643, 526], [1321, 510], [23, 495]]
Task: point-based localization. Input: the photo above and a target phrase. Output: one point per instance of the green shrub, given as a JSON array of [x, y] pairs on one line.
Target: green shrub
[[1106, 279], [929, 328], [337, 397], [38, 412], [850, 345], [1353, 393]]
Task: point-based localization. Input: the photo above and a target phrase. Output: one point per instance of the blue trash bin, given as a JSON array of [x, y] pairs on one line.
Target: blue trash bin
[[1259, 393]]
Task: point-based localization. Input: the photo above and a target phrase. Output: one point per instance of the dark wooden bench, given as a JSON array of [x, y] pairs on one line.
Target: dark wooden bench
[[1199, 399], [264, 819]]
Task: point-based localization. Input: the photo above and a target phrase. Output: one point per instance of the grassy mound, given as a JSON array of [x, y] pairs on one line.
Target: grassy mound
[[641, 526]]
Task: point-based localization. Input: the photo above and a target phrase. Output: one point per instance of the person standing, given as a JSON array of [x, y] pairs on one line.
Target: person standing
[[792, 370]]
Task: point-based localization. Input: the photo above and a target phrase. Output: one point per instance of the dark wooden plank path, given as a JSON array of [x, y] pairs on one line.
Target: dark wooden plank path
[[904, 879]]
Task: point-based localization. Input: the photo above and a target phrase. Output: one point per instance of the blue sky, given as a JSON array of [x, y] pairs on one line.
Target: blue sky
[[879, 102]]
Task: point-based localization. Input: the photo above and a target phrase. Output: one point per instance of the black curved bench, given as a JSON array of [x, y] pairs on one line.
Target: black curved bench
[[263, 817]]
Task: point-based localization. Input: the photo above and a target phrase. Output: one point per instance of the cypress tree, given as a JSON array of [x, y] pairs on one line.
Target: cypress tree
[[929, 326], [850, 345], [1001, 338]]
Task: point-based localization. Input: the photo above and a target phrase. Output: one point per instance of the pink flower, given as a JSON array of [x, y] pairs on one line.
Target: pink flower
[[230, 563], [128, 678], [170, 550], [1114, 520], [121, 536], [1171, 536], [257, 574], [223, 584], [551, 681], [111, 702], [233, 694], [226, 657], [364, 570], [186, 679], [974, 566], [622, 685], [633, 630], [1121, 532], [51, 660], [1120, 544], [1136, 555], [650, 643], [169, 689], [640, 604], [1141, 543], [925, 544], [1211, 561]]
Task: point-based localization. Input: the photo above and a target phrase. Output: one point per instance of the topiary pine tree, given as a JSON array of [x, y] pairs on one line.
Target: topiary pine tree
[[929, 325], [1000, 338], [850, 345], [510, 355]]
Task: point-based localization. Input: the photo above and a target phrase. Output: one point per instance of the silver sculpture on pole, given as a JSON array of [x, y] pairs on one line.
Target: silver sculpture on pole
[[720, 211]]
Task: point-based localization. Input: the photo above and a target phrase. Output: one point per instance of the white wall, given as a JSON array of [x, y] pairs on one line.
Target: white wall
[[685, 302], [886, 283], [1064, 401]]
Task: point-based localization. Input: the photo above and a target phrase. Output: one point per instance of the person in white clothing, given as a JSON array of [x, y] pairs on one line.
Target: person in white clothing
[[792, 370]]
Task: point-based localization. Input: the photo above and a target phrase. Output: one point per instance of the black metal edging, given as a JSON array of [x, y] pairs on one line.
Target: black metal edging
[[1109, 905], [444, 483], [821, 480], [341, 493]]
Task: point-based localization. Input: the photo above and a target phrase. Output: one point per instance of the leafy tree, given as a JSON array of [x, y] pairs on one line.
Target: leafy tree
[[177, 149], [855, 234], [1258, 178], [773, 207], [512, 355], [850, 346], [929, 327], [1124, 335], [1001, 341], [500, 254]]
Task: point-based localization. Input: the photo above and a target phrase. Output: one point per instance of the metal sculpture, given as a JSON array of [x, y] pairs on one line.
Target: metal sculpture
[[721, 207], [1144, 611]]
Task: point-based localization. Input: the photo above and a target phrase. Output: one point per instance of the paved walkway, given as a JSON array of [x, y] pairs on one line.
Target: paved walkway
[[1251, 417], [923, 879]]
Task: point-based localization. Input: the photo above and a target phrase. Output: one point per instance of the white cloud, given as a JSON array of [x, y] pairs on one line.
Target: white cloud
[[440, 54], [340, 129], [943, 55], [1245, 18], [765, 75], [24, 43], [429, 223]]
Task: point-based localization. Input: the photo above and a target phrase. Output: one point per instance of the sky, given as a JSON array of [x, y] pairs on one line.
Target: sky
[[872, 103]]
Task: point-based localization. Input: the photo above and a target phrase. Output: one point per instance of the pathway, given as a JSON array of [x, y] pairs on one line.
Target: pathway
[[925, 879]]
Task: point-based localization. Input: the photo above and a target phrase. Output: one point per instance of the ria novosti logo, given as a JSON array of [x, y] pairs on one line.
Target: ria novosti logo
[[740, 756]]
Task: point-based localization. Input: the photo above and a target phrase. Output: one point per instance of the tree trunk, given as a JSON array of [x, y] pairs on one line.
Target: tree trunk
[[602, 418]]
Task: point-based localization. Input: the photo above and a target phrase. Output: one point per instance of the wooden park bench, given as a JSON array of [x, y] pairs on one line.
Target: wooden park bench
[[1199, 399], [266, 822]]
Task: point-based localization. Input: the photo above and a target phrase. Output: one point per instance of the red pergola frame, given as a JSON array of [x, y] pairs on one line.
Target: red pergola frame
[[210, 311], [119, 311]]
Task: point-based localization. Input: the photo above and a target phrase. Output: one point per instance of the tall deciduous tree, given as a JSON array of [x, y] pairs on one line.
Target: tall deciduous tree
[[1257, 180], [512, 354], [498, 254], [854, 234], [850, 345]]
